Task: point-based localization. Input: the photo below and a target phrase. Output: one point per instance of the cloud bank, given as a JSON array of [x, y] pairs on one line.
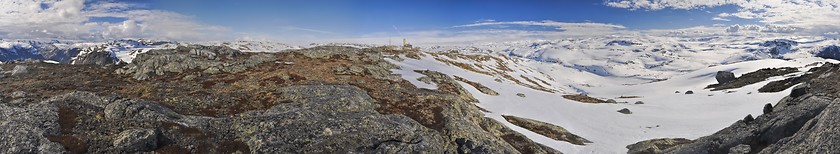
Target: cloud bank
[[81, 20], [807, 16]]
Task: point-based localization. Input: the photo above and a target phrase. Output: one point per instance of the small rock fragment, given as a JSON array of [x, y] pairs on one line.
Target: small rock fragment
[[639, 102], [689, 92], [520, 94], [625, 111], [20, 69]]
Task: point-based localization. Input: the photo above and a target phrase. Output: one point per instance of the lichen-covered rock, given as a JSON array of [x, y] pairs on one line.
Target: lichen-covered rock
[[546, 129], [135, 140], [214, 60], [19, 69], [516, 139], [25, 130], [655, 145]]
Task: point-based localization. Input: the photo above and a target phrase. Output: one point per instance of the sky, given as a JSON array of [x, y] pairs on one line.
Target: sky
[[309, 20]]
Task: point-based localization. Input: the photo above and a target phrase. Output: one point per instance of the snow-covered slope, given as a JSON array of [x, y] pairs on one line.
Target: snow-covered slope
[[648, 69]]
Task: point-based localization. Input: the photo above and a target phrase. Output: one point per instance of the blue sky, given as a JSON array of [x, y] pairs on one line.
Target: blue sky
[[351, 18], [194, 20]]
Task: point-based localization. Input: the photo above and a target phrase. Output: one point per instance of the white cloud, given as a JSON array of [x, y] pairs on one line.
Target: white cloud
[[807, 16], [75, 19], [757, 28], [720, 19], [547, 23], [491, 31]]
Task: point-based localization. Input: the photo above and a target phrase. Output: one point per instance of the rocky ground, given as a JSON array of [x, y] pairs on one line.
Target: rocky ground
[[804, 122], [210, 99]]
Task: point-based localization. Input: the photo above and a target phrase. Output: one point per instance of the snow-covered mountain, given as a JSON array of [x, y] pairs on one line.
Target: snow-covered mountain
[[67, 52]]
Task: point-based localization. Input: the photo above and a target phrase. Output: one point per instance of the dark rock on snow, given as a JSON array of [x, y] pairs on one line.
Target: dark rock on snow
[[724, 77], [625, 111]]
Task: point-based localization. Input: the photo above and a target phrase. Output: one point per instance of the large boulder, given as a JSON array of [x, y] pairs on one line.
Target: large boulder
[[724, 77]]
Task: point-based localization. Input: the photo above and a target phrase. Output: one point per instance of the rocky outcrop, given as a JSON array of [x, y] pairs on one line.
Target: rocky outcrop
[[97, 55], [748, 78], [19, 69], [137, 140], [723, 77], [801, 123], [209, 59], [546, 129], [205, 99], [478, 86], [655, 145]]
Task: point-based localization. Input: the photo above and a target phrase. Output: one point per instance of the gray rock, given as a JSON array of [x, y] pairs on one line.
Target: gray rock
[[137, 140], [612, 101], [19, 94], [724, 77], [138, 110], [768, 108], [689, 92], [655, 145], [625, 111], [210, 59], [25, 129], [546, 129], [520, 94], [800, 90], [639, 102], [330, 119], [19, 69], [740, 149]]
